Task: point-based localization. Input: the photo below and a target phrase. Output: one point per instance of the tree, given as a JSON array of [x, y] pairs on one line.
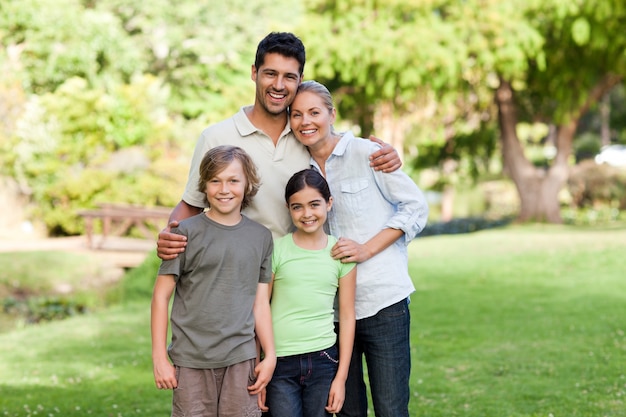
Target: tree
[[201, 50], [405, 69], [543, 61], [582, 58]]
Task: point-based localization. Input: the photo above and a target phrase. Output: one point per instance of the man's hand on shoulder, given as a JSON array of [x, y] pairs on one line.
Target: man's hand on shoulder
[[386, 159], [169, 244]]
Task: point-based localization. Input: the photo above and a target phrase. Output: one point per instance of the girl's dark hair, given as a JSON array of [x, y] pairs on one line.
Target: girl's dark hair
[[284, 43], [307, 178], [218, 158]]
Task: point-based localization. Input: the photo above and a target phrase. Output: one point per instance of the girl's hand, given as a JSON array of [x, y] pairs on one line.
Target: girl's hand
[[336, 396]]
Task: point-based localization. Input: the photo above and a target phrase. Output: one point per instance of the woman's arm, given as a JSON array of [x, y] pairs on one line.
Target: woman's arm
[[350, 251]]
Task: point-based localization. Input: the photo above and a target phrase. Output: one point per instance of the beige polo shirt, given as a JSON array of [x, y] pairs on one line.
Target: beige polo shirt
[[275, 164]]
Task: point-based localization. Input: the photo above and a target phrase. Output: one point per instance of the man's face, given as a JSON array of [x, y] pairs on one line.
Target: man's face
[[276, 82]]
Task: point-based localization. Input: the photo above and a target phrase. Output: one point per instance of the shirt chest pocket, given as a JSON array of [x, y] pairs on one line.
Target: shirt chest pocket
[[354, 195]]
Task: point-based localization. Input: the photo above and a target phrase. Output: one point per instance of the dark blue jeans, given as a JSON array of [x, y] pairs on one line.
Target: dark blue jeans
[[301, 383], [384, 341]]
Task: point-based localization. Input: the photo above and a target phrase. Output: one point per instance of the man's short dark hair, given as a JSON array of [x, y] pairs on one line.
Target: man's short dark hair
[[284, 43]]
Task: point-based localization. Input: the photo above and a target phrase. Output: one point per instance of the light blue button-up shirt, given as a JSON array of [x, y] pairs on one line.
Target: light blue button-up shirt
[[366, 201]]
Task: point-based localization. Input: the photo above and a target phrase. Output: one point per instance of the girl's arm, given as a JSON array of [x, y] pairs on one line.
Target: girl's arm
[[347, 323], [164, 373]]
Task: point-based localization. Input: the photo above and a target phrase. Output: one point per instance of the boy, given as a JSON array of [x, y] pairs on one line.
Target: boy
[[221, 301]]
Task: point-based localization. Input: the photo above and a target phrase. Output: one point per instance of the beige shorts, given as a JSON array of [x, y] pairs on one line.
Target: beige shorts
[[221, 392]]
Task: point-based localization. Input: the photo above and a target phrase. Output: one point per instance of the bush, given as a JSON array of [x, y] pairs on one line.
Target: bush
[[81, 146], [597, 186]]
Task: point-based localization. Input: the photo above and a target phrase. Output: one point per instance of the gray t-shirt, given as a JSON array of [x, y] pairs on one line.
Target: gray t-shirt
[[216, 282]]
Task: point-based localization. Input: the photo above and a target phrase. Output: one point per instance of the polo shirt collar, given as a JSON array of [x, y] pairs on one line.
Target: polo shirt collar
[[245, 126]]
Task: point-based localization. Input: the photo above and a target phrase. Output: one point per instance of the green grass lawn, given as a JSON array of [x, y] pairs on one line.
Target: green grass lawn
[[517, 322]]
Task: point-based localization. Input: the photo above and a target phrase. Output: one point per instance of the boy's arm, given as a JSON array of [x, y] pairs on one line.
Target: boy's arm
[[164, 373], [347, 323], [265, 336]]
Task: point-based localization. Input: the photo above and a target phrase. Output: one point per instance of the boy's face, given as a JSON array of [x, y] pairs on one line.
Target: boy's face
[[277, 81], [225, 193]]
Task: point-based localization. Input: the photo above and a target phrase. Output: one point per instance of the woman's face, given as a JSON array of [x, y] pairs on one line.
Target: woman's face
[[310, 119]]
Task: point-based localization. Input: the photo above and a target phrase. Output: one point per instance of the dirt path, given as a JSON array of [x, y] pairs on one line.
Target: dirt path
[[117, 252]]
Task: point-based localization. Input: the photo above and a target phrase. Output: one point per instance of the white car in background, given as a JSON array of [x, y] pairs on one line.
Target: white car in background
[[614, 155]]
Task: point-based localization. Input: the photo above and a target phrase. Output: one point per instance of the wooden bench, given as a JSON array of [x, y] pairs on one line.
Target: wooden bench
[[117, 219]]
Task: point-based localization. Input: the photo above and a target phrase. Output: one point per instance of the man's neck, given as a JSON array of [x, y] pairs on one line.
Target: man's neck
[[272, 124]]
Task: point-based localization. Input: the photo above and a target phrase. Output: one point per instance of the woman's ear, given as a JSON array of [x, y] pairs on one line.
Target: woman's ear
[[330, 204]]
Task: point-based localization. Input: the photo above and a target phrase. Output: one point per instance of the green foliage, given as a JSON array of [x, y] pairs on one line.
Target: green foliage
[[77, 147], [87, 81], [203, 50], [138, 283], [586, 146], [37, 310], [574, 33], [56, 40], [474, 150], [615, 102]]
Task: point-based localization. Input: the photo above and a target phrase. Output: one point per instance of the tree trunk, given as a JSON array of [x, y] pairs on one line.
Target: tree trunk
[[538, 188], [605, 117], [448, 168], [390, 127]]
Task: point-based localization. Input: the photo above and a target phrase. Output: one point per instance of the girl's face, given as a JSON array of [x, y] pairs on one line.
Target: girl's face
[[309, 210], [310, 119]]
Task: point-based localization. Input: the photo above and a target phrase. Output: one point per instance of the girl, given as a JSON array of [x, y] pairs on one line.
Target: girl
[[309, 379], [374, 216]]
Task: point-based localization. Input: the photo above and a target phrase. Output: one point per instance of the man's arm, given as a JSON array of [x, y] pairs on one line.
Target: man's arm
[[386, 159], [169, 244]]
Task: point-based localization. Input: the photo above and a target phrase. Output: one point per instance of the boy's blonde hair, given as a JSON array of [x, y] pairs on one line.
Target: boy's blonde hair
[[218, 158]]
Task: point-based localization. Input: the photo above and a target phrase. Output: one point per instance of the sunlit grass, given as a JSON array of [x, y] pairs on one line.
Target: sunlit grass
[[517, 322], [90, 365], [520, 322]]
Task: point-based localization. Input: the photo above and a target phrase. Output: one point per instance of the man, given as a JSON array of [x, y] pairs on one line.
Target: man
[[263, 131]]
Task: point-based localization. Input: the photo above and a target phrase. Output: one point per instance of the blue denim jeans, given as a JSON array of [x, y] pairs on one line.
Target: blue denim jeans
[[384, 341], [301, 383]]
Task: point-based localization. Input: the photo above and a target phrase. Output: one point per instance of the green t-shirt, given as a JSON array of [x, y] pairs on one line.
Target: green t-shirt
[[305, 285]]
